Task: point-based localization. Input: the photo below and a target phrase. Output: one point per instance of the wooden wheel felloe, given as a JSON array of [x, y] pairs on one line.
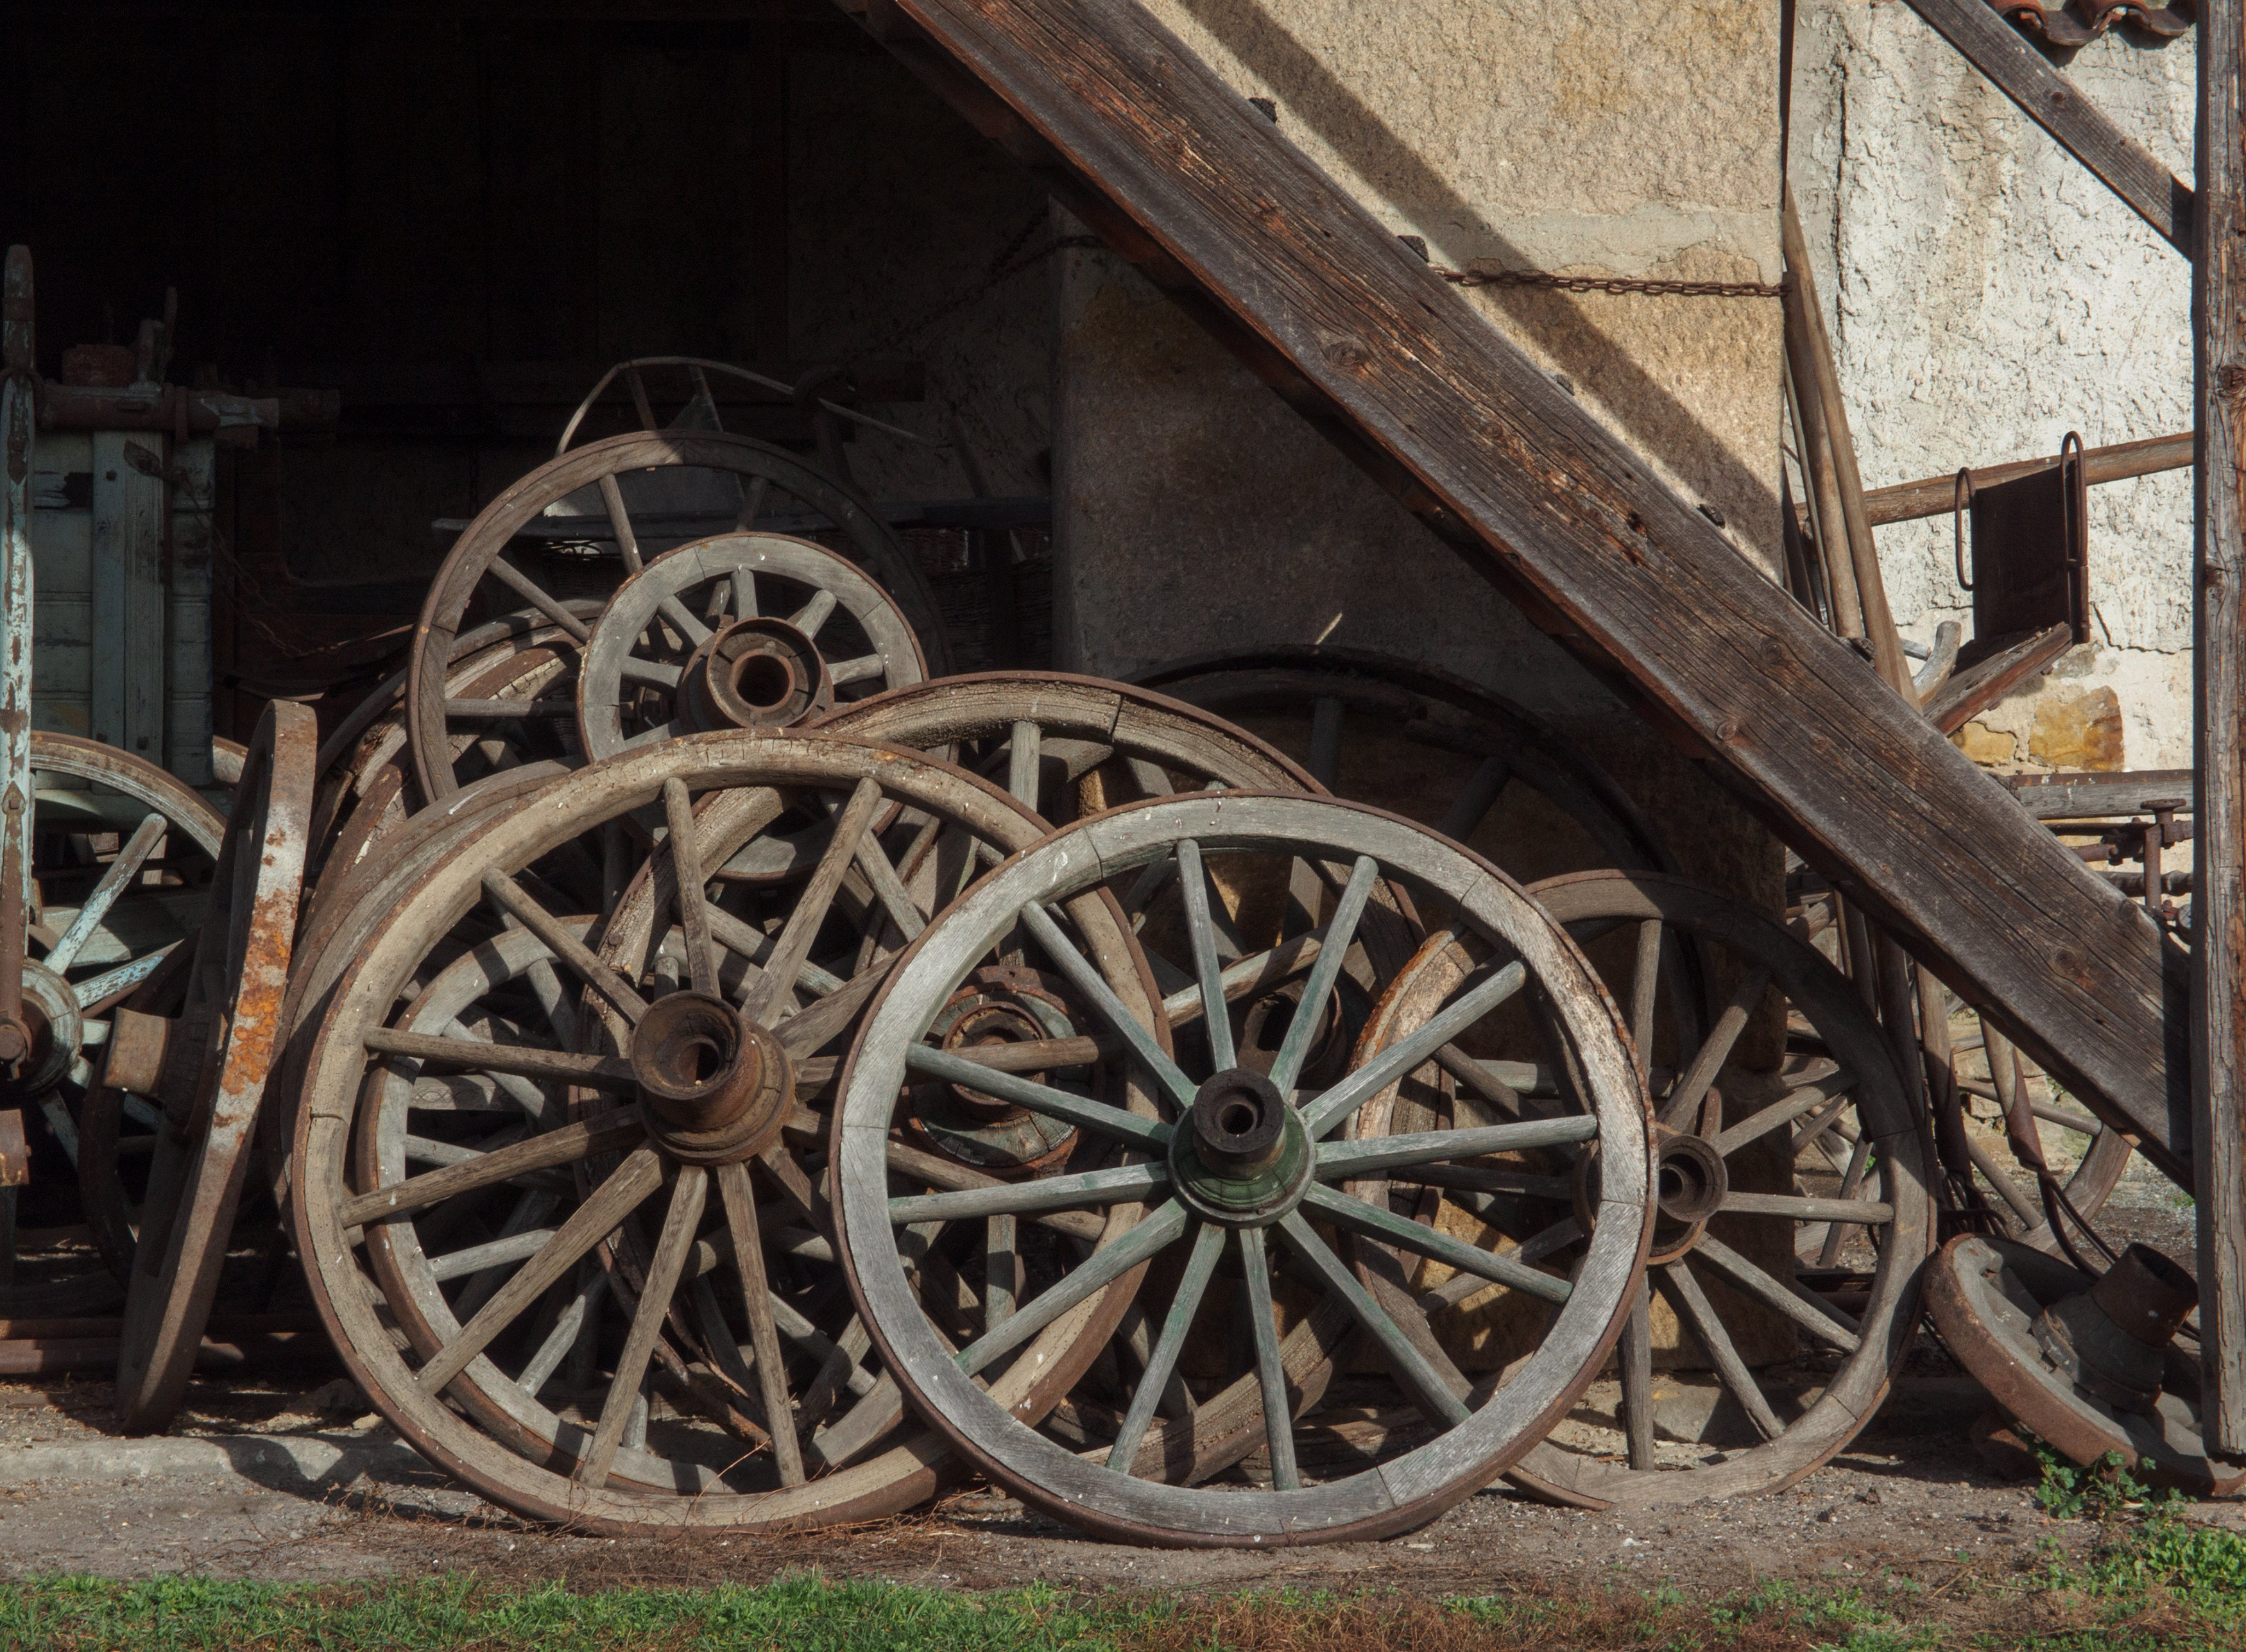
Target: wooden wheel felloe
[[631, 498], [208, 1069], [122, 862], [1795, 1217], [756, 631], [1265, 1172], [1467, 748], [560, 1162]]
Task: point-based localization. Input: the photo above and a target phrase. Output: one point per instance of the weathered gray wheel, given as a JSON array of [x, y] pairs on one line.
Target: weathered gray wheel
[[535, 1069], [630, 499], [122, 866], [756, 631], [209, 1068], [1795, 1218], [1266, 1165]]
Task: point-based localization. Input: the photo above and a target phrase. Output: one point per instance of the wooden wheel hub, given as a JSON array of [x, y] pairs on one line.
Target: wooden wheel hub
[[53, 1028], [716, 1087], [757, 673], [997, 1007], [1243, 1158], [1689, 1185]]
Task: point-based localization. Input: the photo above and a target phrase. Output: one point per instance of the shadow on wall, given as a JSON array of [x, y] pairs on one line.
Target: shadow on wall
[[1651, 417]]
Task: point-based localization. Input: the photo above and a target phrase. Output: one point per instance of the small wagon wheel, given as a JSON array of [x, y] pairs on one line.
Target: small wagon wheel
[[1468, 746], [757, 632], [2099, 1165], [123, 856], [631, 498], [209, 1070], [1251, 1167], [687, 1047], [1795, 1214]]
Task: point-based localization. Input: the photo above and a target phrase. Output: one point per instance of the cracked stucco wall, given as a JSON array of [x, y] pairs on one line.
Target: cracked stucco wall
[[1986, 295]]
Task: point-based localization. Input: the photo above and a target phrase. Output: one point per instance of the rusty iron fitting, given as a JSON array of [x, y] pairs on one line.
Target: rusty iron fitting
[[716, 1086], [14, 1151], [2111, 1340], [154, 1056], [1238, 1117], [759, 673]]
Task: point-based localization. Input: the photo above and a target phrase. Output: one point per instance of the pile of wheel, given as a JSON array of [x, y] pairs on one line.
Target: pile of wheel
[[723, 1072]]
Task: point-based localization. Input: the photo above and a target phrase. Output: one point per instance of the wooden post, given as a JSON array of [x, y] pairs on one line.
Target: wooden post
[[2218, 1016]]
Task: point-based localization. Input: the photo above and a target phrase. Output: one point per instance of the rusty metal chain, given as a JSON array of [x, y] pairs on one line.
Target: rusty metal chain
[[1615, 284]]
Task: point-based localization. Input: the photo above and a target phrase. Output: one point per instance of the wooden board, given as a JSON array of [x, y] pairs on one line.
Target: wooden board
[[1180, 175], [128, 593], [2218, 1018]]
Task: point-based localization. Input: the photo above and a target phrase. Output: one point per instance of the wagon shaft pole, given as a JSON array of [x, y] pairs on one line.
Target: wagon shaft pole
[[1180, 175], [17, 426]]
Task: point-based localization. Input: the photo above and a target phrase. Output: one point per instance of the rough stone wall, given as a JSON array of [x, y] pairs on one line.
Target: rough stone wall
[[1986, 294]]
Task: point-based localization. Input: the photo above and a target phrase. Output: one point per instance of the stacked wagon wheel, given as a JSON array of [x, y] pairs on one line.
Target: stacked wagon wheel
[[590, 519], [1794, 1213], [1250, 1214], [560, 1162]]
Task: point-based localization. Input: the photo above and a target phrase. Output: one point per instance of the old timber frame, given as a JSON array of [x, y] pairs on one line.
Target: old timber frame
[[1178, 174]]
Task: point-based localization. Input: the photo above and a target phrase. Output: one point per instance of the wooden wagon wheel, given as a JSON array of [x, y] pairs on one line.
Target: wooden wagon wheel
[[755, 631], [1468, 746], [207, 1069], [687, 1047], [1784, 1196], [1252, 1167], [122, 867], [630, 499], [2097, 1167]]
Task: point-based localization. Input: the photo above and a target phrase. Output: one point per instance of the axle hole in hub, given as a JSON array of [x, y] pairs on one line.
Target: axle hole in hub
[[763, 681]]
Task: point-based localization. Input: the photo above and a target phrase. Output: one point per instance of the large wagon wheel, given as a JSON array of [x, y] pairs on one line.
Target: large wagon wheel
[[757, 632], [1462, 748], [1795, 1216], [629, 499], [1269, 1169], [123, 855], [207, 1069], [684, 1051]]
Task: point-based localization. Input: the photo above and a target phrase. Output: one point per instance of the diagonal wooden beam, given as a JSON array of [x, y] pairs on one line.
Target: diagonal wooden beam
[[1178, 174], [2054, 103]]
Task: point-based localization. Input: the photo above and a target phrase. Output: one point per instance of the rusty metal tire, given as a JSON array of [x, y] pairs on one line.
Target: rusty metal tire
[[1983, 1295], [1287, 1177], [231, 1023], [155, 902], [605, 480], [389, 1298], [1706, 1268]]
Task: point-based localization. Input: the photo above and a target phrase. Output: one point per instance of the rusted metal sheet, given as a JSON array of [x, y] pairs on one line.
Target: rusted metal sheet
[[15, 1152], [2030, 553]]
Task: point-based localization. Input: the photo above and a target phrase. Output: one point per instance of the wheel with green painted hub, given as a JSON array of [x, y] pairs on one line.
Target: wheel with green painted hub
[[1261, 1231]]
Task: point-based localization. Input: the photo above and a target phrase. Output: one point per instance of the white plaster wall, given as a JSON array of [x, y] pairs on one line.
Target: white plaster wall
[[1986, 295]]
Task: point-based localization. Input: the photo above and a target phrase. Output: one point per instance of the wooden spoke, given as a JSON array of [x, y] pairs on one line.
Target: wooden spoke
[[1376, 1221], [1473, 1179], [1820, 1318], [1049, 1192], [575, 1314], [1683, 1294], [1257, 973], [556, 1066], [1150, 882], [524, 587], [633, 668], [507, 1248], [688, 1196], [889, 889], [620, 524], [553, 711], [1024, 755], [1339, 1159], [1432, 1395], [639, 1175], [566, 1146], [1333, 951], [1852, 1183], [1834, 1086], [1193, 884], [1797, 1208], [1089, 982], [1080, 1110], [1534, 1248], [1410, 1051], [1270, 1374], [813, 615], [738, 935], [1475, 799], [1325, 742], [515, 901], [1001, 1276], [1644, 991], [1101, 1269], [748, 1258], [1177, 1323], [804, 923], [115, 983], [118, 875], [654, 736], [1682, 1105], [1634, 1356], [752, 504], [693, 896], [915, 1165], [809, 1029]]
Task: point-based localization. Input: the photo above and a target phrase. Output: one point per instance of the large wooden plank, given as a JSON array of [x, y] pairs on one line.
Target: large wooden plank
[[1180, 175], [2079, 125], [2218, 1019], [128, 593]]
